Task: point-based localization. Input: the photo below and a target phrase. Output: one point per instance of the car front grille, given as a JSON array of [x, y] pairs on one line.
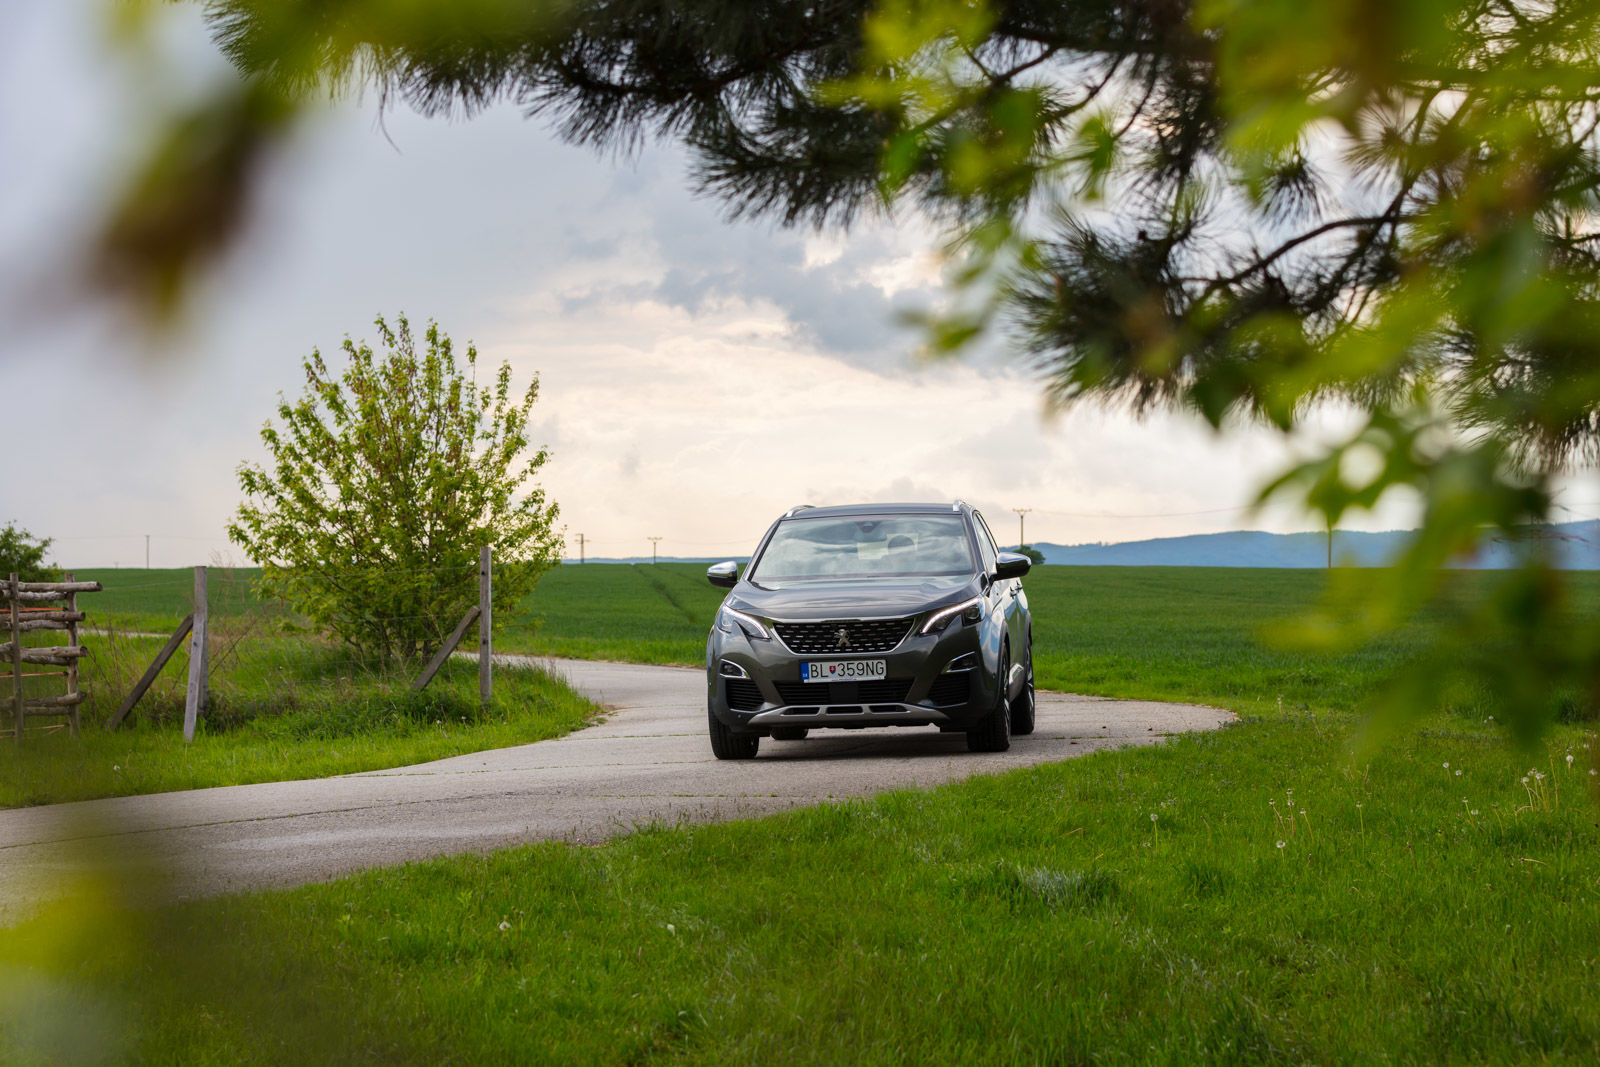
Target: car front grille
[[878, 691], [743, 694], [859, 636]]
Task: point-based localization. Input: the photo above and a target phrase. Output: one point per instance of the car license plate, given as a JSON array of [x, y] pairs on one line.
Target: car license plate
[[843, 670]]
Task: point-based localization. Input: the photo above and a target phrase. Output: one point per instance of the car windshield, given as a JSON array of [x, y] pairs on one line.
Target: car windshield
[[898, 545]]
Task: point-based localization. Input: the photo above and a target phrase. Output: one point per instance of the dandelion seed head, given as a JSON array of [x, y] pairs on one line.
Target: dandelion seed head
[[1569, 759], [504, 926], [1458, 772], [1447, 765], [1152, 816], [1282, 843]]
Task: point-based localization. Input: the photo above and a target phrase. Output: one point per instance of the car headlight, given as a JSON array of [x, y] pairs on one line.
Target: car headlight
[[967, 611], [753, 627]]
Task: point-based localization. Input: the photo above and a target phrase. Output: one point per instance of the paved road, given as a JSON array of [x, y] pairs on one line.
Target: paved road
[[649, 761]]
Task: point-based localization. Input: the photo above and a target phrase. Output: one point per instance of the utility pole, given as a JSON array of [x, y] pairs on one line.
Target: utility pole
[[1330, 546], [146, 551], [653, 541], [1021, 526], [580, 548]]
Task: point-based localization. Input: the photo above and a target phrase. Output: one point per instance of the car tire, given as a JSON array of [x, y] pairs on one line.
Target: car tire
[[725, 744], [993, 733], [1022, 708], [790, 733]]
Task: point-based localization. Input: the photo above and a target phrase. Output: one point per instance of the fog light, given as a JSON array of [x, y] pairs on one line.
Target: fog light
[[729, 669], [961, 663]]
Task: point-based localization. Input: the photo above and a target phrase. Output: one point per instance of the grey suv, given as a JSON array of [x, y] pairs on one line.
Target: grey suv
[[871, 615]]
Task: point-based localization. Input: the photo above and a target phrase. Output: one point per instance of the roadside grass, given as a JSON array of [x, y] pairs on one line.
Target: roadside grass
[[282, 708], [1263, 894], [288, 705], [285, 703], [1278, 891]]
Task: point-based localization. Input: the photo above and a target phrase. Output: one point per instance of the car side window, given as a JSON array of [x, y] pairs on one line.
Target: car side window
[[986, 547]]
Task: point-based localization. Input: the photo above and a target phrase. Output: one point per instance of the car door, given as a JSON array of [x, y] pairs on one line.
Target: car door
[[1002, 594]]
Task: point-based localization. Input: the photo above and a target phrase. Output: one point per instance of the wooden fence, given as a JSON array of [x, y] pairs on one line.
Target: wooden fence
[[50, 607], [197, 693]]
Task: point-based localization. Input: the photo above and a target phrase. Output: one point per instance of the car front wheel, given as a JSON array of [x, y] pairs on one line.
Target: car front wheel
[[993, 733], [725, 744], [1022, 708]]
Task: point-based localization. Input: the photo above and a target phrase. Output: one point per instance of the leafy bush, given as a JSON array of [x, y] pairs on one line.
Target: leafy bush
[[385, 482], [22, 555]]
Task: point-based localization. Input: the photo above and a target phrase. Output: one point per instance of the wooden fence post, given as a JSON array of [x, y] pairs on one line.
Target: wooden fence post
[[150, 672], [72, 642], [485, 625], [445, 649], [198, 692], [16, 654]]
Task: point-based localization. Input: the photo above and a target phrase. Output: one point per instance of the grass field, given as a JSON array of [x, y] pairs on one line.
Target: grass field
[[289, 710], [1177, 633], [1204, 634], [1254, 896], [1271, 893], [284, 703]]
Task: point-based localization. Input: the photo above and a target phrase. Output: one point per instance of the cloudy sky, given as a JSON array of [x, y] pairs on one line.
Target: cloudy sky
[[697, 376]]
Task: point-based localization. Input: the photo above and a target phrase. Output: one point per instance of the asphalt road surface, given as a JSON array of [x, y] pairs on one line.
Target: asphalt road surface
[[648, 762]]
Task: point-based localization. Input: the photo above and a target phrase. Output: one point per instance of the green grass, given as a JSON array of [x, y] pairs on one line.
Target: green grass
[[284, 704], [642, 613], [282, 708], [1202, 634], [1205, 634], [1288, 904], [157, 600], [1299, 895]]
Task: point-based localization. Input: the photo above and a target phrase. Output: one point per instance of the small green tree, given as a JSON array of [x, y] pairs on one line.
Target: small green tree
[[20, 554], [384, 483], [1031, 552]]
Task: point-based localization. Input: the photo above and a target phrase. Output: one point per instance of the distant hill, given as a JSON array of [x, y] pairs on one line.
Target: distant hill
[[1577, 547]]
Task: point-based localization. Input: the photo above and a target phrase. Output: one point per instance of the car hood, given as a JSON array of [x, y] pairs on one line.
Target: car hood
[[855, 598]]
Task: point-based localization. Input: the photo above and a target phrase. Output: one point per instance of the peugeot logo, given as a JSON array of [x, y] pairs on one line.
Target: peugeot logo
[[844, 638]]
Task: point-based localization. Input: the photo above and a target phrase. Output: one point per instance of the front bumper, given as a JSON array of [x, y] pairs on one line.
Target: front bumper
[[916, 691]]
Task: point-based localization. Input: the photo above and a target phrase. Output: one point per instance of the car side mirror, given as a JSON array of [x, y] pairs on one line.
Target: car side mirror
[[1011, 565], [724, 574]]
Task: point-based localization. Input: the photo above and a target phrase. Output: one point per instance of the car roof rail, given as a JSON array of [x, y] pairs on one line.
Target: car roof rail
[[798, 507], [958, 504]]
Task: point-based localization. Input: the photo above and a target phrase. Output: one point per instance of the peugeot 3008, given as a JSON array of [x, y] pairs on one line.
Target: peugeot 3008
[[871, 615]]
